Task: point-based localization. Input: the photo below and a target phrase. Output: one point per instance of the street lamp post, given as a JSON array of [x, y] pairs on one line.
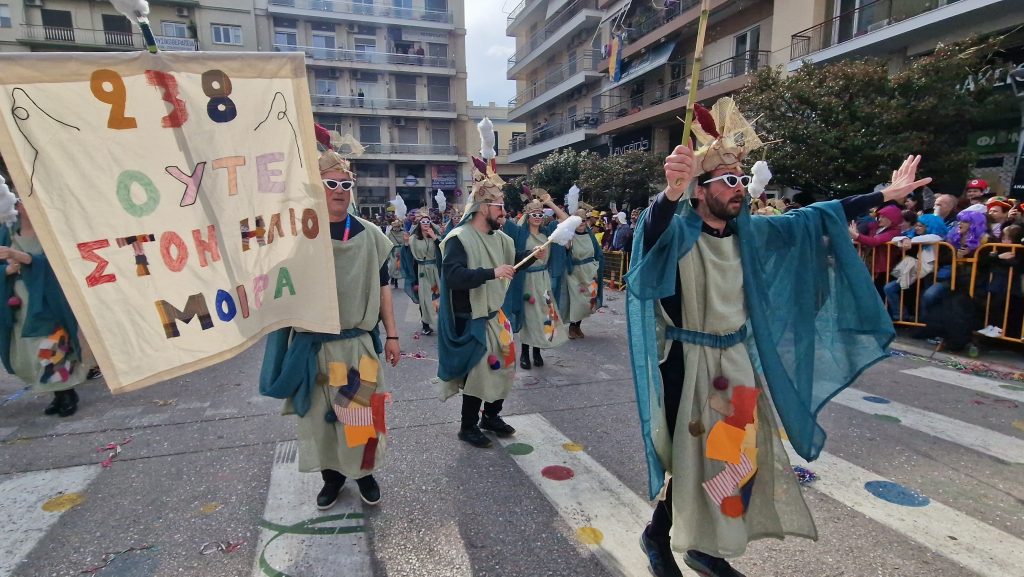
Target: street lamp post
[[1017, 184]]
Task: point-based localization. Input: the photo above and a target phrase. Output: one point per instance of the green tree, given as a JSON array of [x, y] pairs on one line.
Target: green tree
[[513, 190], [558, 171], [844, 126], [629, 178]]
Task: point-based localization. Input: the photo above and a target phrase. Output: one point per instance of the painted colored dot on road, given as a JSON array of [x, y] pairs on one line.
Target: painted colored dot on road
[[557, 473], [572, 447], [590, 535], [878, 400], [519, 449], [64, 502], [1019, 425], [888, 418], [896, 494], [1012, 387], [208, 508]]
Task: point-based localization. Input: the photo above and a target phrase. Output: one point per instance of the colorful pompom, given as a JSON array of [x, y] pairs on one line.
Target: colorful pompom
[[14, 302], [720, 383], [493, 362], [330, 416]]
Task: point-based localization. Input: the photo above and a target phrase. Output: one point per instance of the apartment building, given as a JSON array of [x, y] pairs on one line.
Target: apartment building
[[809, 32], [87, 26], [392, 73], [567, 95], [504, 132]]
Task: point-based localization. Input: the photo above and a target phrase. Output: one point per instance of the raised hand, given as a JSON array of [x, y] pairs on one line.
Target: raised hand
[[678, 171], [903, 180]]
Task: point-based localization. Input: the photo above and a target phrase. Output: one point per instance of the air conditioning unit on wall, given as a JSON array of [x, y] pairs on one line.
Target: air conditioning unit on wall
[[398, 121], [33, 2], [182, 11]]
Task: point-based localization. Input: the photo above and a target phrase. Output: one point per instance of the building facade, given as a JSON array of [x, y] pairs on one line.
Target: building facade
[[88, 26], [392, 73]]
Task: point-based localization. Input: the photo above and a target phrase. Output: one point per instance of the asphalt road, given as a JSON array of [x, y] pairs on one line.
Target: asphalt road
[[922, 477]]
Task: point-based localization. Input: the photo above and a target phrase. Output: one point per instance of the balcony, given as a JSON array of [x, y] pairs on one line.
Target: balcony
[[665, 102], [646, 20], [554, 134], [574, 74], [362, 58], [329, 103], [881, 26], [577, 16], [103, 39], [392, 151], [365, 12]]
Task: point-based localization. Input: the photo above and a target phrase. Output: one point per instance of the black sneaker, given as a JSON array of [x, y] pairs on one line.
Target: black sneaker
[[659, 554], [538, 361], [474, 436], [328, 496], [524, 360], [427, 331], [94, 373], [54, 407], [709, 566], [68, 403], [369, 490], [497, 425]]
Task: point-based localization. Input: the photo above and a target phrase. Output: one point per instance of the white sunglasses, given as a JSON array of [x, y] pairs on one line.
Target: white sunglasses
[[731, 180], [332, 184]]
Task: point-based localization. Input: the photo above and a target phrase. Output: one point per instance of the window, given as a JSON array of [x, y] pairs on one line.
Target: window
[[442, 135], [323, 45], [369, 130], [284, 38], [174, 29], [326, 87], [371, 170], [408, 134], [5, 16], [747, 45], [57, 25], [117, 30], [405, 87], [437, 89], [225, 34], [435, 50]]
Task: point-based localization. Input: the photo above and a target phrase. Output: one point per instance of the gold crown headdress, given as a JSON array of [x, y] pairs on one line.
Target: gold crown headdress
[[723, 135]]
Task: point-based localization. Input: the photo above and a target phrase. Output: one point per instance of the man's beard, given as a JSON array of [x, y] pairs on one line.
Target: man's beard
[[722, 210], [493, 223]]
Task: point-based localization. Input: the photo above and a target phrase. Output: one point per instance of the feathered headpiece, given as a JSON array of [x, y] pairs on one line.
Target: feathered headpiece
[[486, 128], [330, 158], [724, 137], [8, 204], [442, 202]]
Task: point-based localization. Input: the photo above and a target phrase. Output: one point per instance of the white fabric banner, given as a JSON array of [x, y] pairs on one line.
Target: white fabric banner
[[178, 198]]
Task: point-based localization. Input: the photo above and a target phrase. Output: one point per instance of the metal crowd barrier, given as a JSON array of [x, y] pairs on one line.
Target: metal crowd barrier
[[1000, 316], [616, 265], [944, 252]]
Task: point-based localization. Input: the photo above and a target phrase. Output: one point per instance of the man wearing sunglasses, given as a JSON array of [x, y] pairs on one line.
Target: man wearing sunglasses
[[476, 354], [333, 405], [733, 318]]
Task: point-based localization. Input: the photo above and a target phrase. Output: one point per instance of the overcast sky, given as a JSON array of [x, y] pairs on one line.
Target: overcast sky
[[487, 51]]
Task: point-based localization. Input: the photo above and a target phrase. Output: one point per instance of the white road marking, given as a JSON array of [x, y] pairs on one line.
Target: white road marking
[[22, 496], [979, 547], [973, 437], [299, 540], [972, 382], [592, 498]]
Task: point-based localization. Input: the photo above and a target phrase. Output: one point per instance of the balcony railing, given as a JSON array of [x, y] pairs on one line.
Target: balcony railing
[[586, 120], [333, 101], [734, 67], [363, 57], [113, 39], [857, 22], [391, 148], [368, 8], [551, 28], [516, 11], [647, 19], [588, 61]]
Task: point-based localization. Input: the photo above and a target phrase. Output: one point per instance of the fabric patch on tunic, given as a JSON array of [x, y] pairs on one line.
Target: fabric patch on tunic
[[720, 404], [732, 507], [357, 436], [356, 391], [338, 374], [724, 443], [369, 455], [368, 367], [744, 402], [725, 483], [354, 415], [377, 401]]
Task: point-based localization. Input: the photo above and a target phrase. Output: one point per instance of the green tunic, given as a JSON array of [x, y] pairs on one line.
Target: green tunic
[[712, 297], [324, 445], [425, 252], [582, 282], [25, 358], [542, 325], [397, 238], [491, 378]]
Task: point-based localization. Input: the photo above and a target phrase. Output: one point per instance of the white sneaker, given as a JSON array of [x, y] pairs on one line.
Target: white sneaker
[[995, 332]]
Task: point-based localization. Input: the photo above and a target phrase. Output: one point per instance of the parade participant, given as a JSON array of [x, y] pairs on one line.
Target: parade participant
[[530, 302], [335, 382], [476, 352], [39, 338], [420, 268], [398, 238], [723, 309], [583, 290]]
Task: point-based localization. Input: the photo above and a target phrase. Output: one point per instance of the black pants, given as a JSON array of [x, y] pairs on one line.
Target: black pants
[[471, 410], [672, 384]]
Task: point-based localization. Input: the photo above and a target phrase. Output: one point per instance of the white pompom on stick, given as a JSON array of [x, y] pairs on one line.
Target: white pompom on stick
[[400, 209], [442, 202], [760, 179], [563, 233], [572, 200], [8, 203]]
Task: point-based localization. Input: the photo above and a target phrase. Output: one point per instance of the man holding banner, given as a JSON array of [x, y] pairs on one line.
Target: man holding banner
[[342, 428]]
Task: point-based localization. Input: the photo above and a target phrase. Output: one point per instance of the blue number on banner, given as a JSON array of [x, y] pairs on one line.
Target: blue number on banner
[[217, 86]]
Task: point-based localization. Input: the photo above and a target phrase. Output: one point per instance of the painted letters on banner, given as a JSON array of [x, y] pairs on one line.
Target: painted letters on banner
[[177, 197]]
